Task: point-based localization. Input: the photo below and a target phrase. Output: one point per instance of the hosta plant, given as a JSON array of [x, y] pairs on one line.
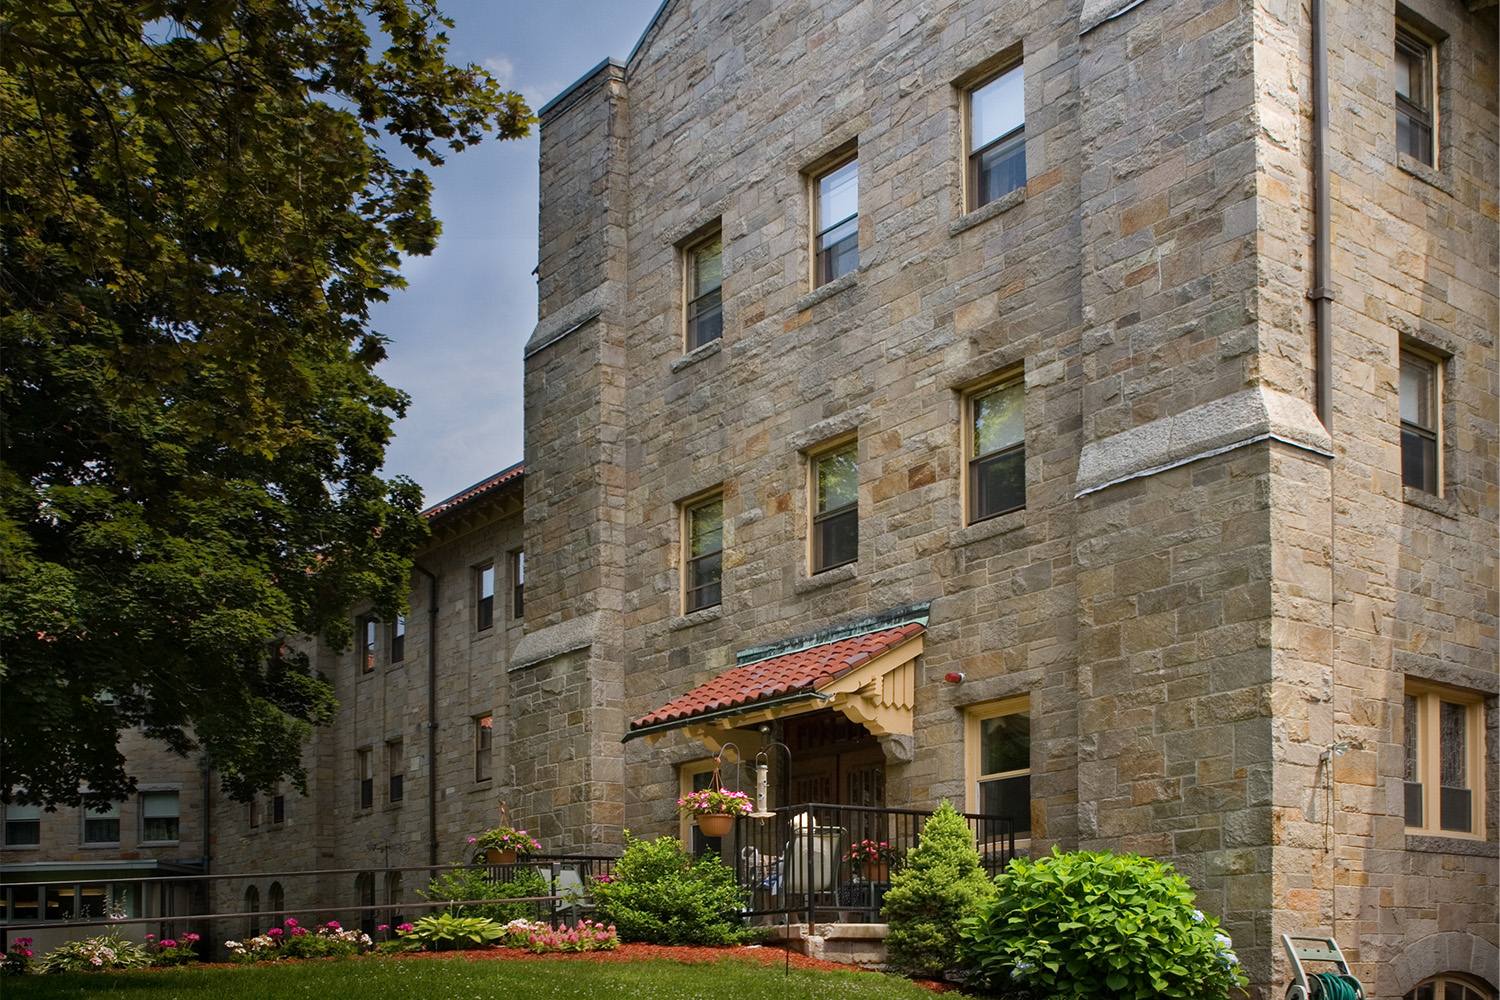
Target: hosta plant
[[1099, 926], [446, 932], [95, 954]]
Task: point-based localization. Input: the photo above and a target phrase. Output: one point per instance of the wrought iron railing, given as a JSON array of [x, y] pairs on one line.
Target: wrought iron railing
[[804, 862]]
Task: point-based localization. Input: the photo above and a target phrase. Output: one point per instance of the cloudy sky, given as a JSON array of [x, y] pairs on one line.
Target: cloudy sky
[[457, 330]]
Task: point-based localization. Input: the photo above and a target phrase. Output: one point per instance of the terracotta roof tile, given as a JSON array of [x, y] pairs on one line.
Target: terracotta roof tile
[[471, 493], [807, 670]]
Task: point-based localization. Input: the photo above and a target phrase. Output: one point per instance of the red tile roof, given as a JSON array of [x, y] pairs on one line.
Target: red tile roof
[[804, 671], [476, 491]]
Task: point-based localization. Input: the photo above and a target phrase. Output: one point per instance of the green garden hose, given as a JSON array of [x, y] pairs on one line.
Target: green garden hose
[[1332, 986]]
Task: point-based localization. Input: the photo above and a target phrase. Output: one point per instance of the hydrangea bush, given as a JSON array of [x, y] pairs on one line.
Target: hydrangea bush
[[1100, 926], [660, 894], [17, 960]]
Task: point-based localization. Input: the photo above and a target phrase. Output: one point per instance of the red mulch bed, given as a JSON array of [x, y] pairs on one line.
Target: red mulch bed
[[687, 955]]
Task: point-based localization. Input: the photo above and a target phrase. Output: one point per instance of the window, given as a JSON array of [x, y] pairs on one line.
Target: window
[[1420, 391], [704, 264], [997, 449], [836, 246], [1443, 734], [1447, 987], [997, 137], [705, 554], [160, 813], [835, 528], [396, 768], [278, 809], [398, 639], [1414, 95], [102, 826], [484, 742], [484, 586], [364, 634], [364, 888], [252, 910], [517, 584], [998, 742], [23, 825], [252, 812], [366, 761], [275, 902]]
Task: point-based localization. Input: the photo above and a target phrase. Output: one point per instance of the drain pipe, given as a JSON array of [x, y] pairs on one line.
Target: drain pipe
[[1322, 293], [432, 612]]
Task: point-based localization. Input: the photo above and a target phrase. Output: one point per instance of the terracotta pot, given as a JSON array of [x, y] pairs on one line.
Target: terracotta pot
[[715, 824], [496, 856], [877, 871]]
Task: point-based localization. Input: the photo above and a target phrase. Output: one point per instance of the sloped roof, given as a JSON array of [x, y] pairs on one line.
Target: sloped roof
[[803, 671], [472, 493]]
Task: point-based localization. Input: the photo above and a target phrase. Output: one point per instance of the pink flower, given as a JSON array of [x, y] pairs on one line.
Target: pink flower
[[404, 928], [290, 921], [274, 932], [168, 943], [190, 937], [383, 927], [332, 925], [298, 931]]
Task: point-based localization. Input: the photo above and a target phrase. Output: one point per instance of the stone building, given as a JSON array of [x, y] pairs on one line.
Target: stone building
[[1000, 342], [988, 402]]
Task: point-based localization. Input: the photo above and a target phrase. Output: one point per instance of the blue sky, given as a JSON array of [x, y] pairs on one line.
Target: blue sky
[[458, 328]]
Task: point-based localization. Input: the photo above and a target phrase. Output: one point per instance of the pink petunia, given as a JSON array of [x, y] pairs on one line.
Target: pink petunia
[[333, 925]]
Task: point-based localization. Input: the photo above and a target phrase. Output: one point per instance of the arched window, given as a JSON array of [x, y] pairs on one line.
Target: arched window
[[1449, 986], [252, 909], [275, 903], [364, 889]]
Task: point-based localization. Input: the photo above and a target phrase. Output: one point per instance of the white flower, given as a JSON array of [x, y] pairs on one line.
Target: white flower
[[1197, 916]]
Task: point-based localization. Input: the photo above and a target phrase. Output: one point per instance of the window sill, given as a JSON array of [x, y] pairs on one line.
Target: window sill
[[696, 355], [1422, 172], [827, 578], [112, 846], [1000, 524], [1473, 847], [390, 807], [159, 843], [1446, 506], [985, 213], [827, 291], [699, 617], [23, 847]]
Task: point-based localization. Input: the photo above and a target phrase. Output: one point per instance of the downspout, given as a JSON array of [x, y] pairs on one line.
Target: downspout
[[432, 612], [1322, 293]]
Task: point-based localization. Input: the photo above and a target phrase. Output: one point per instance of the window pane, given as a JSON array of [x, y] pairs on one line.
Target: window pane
[[487, 582], [836, 540], [159, 815], [838, 195], [999, 418], [998, 483], [838, 479], [1005, 744], [1413, 803], [1009, 798], [1409, 736], [708, 267], [1417, 377], [707, 528], [997, 108], [999, 170], [1452, 746]]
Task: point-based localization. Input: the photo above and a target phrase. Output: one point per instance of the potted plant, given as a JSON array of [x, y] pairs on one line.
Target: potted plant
[[501, 845], [871, 860], [714, 809]]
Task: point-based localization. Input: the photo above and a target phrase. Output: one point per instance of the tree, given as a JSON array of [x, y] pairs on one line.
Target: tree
[[199, 209], [940, 883]]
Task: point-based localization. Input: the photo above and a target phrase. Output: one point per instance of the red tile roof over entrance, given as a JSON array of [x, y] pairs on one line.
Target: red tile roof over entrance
[[807, 670]]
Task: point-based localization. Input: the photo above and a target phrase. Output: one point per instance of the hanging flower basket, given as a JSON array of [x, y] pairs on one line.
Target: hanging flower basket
[[715, 824], [501, 845], [499, 856]]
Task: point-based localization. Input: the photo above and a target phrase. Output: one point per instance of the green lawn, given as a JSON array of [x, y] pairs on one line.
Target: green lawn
[[385, 979]]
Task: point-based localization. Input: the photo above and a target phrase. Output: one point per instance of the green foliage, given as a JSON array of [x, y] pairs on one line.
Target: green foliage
[[660, 894], [95, 954], [447, 931], [1101, 926], [941, 883], [200, 209], [471, 883]]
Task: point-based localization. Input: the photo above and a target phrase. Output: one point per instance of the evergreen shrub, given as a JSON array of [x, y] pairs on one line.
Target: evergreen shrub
[[660, 894], [940, 883], [1097, 925]]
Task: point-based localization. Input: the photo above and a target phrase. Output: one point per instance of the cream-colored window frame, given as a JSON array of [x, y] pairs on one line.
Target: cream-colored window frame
[[814, 456], [968, 395], [973, 716], [685, 510], [1429, 697], [1436, 363]]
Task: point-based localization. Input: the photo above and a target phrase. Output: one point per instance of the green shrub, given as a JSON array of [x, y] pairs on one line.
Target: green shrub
[[660, 894], [1097, 925], [445, 931], [941, 883], [472, 883], [95, 954]]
